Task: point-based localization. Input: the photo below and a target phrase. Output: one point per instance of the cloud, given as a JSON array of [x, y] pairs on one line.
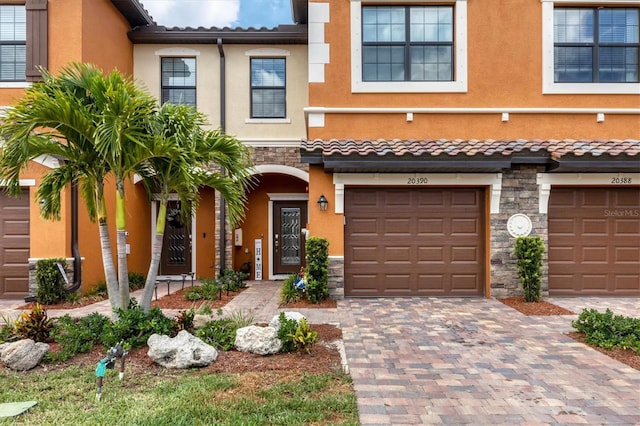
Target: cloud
[[193, 13]]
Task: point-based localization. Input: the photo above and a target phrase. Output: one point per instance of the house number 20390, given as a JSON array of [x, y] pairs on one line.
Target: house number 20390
[[621, 180], [417, 181]]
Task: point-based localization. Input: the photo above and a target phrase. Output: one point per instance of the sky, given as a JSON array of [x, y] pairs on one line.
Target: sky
[[219, 13]]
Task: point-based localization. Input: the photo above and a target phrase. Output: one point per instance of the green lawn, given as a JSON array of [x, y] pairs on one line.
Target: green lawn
[[169, 397]]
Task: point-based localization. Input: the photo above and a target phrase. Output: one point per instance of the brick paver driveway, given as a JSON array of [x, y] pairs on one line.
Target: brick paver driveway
[[477, 361]]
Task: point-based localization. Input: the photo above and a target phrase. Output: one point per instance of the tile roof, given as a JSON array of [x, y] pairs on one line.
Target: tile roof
[[556, 149]]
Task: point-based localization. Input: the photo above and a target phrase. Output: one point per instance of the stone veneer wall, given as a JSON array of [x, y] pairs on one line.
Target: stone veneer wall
[[284, 156], [336, 277], [519, 195], [33, 286]]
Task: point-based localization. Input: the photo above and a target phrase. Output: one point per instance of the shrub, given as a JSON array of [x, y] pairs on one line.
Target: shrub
[[134, 326], [231, 280], [50, 283], [304, 337], [607, 330], [100, 289], [209, 290], [34, 324], [529, 252], [219, 333], [184, 321], [287, 329], [290, 293], [77, 335], [136, 281], [317, 257]]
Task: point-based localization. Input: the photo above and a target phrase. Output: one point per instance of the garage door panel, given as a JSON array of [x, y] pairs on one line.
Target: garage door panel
[[364, 227], [604, 238], [593, 227], [424, 236], [397, 227], [464, 227], [627, 255], [430, 227]]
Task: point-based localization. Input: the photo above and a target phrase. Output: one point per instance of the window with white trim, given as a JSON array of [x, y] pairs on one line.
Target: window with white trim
[[268, 88], [13, 43], [590, 48], [178, 80], [407, 43], [595, 45], [409, 47]]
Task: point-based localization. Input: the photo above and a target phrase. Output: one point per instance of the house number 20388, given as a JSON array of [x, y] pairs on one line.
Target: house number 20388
[[417, 181], [621, 180]]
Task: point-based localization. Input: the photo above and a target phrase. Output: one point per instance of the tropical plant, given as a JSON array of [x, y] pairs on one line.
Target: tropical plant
[[529, 252], [304, 337], [192, 158], [34, 324], [287, 329], [77, 335], [96, 125]]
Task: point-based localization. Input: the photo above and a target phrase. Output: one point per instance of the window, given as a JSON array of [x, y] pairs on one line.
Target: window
[[590, 49], [268, 88], [596, 45], [407, 43], [407, 46], [179, 81], [13, 43]]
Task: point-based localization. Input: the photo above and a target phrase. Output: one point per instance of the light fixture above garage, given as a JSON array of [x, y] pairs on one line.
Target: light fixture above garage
[[323, 203]]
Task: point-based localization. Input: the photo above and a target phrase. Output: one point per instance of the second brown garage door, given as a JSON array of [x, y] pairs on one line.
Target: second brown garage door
[[14, 246], [414, 242], [594, 241]]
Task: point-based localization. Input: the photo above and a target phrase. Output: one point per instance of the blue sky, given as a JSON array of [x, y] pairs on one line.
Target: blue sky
[[219, 13]]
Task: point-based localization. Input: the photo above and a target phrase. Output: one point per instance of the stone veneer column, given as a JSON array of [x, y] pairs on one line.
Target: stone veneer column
[[336, 277], [227, 237], [519, 195]]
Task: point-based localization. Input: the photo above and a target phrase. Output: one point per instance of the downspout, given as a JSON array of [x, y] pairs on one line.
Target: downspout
[[77, 260], [223, 128]]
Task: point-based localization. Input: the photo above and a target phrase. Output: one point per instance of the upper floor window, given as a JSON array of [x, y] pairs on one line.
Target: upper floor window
[[268, 88], [13, 43], [590, 49], [596, 45], [179, 80], [401, 43], [409, 46]]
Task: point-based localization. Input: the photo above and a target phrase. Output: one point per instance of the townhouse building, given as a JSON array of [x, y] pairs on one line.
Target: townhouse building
[[52, 34], [439, 131]]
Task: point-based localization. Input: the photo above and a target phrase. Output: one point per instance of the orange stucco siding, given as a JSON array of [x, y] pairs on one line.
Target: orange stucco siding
[[65, 32], [503, 46], [325, 224]]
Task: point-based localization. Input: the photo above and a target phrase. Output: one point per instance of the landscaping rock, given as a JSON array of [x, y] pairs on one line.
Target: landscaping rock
[[23, 355], [182, 351], [258, 340], [275, 321]]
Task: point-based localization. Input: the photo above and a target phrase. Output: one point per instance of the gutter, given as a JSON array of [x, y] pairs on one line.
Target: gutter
[[223, 127], [77, 260]]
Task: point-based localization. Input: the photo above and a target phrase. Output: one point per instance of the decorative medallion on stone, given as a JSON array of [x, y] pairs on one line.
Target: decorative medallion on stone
[[519, 225]]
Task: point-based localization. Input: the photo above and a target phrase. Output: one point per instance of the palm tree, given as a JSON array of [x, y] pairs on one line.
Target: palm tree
[[96, 125], [187, 158]]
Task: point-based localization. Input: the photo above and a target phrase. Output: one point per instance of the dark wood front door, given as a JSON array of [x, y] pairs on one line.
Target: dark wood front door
[[176, 249], [289, 217]]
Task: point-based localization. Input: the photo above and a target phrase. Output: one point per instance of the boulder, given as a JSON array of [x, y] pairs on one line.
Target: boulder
[[258, 340], [275, 321], [23, 355], [182, 351]]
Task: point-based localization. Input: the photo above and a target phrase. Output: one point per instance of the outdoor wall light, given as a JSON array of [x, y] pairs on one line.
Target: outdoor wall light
[[323, 203]]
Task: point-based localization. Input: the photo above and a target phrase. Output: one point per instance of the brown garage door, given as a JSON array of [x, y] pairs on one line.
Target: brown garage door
[[14, 246], [414, 242], [594, 241]]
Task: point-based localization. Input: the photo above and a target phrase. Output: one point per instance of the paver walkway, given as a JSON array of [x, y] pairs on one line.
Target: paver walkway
[[463, 361]]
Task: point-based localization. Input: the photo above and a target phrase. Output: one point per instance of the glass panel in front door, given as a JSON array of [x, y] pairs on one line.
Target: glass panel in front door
[[291, 245]]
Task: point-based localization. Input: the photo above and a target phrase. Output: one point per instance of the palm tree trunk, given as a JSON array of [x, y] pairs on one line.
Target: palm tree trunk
[[156, 253], [109, 267], [123, 272]]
